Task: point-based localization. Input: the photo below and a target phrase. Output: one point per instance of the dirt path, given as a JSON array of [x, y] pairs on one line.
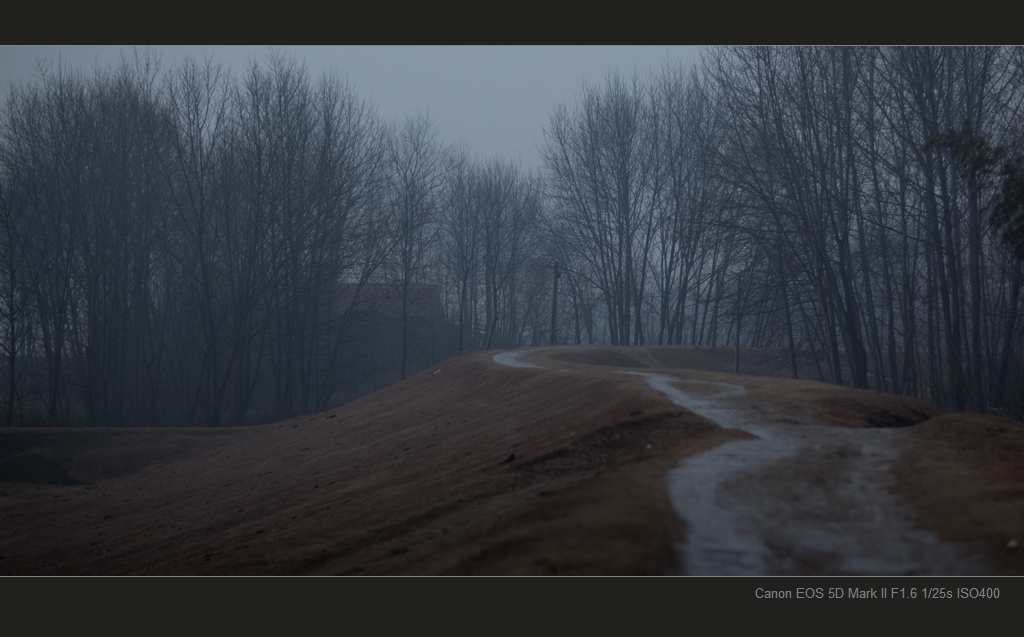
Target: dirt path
[[801, 498]]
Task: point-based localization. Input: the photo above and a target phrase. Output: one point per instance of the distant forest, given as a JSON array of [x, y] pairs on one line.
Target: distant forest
[[191, 247]]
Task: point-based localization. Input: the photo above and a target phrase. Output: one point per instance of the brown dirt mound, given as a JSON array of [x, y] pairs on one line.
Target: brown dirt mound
[[409, 480], [805, 399], [752, 361], [468, 467], [841, 406], [964, 475], [599, 356]]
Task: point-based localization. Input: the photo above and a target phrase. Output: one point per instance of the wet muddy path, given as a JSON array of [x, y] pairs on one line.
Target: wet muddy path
[[798, 499], [802, 498]]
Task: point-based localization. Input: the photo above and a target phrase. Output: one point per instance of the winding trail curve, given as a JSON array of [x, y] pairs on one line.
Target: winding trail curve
[[799, 499]]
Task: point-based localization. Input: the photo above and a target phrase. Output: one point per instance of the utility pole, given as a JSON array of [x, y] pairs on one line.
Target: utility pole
[[554, 303]]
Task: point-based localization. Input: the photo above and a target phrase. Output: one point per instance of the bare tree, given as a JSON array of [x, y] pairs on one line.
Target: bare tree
[[17, 283], [197, 102], [461, 231], [417, 167], [604, 181]]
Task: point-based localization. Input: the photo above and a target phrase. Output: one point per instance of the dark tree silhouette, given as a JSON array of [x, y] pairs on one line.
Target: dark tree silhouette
[[993, 168]]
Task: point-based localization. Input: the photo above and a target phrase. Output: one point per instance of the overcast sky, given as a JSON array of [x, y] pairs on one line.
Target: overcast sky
[[495, 99]]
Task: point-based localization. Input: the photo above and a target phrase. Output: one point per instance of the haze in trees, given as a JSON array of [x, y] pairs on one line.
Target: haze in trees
[[200, 246]]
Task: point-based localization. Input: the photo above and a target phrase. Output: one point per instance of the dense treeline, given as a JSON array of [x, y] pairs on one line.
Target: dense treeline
[[188, 247], [174, 241], [795, 198]]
